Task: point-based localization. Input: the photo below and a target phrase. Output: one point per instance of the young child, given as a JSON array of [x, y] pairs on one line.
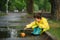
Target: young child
[[39, 25]]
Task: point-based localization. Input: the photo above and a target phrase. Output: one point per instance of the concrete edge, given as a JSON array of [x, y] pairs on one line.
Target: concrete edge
[[50, 35]]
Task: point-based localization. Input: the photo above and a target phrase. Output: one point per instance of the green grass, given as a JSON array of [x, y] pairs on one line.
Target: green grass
[[3, 14], [55, 28]]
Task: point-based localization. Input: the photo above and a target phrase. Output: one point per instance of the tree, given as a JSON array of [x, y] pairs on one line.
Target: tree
[[55, 9], [29, 6]]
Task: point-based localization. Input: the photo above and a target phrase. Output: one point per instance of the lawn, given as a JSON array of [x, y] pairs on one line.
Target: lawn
[[55, 28]]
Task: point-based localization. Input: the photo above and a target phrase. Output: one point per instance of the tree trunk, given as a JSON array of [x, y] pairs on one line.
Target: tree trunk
[[55, 9], [29, 6]]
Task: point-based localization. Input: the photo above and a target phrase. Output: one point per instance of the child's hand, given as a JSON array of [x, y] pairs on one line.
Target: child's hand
[[25, 28]]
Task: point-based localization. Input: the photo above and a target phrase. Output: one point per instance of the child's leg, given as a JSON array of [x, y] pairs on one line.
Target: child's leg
[[37, 31]]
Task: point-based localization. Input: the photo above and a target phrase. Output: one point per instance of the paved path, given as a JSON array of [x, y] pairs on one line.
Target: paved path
[[11, 19]]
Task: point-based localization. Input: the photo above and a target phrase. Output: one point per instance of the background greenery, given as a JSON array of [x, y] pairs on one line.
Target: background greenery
[[21, 4]]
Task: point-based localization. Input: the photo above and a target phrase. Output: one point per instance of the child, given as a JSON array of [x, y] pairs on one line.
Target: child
[[39, 25]]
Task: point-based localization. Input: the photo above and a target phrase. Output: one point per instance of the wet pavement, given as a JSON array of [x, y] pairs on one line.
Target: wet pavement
[[27, 38], [10, 19]]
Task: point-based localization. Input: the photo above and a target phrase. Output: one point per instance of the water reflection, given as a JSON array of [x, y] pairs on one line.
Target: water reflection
[[13, 33]]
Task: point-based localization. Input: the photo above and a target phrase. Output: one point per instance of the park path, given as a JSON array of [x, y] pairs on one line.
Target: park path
[[14, 19], [10, 18]]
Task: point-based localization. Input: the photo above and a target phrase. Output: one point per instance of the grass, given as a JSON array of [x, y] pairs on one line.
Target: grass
[[2, 14], [55, 28]]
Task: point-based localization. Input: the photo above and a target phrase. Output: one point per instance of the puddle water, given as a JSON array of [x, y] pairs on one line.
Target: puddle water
[[13, 33], [8, 33]]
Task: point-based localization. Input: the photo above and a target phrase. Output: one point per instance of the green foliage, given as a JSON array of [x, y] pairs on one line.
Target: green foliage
[[11, 5], [2, 5], [36, 8], [17, 4], [21, 4], [43, 4], [46, 6], [38, 5]]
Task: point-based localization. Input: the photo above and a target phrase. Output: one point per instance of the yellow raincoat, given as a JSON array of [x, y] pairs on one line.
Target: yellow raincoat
[[42, 24]]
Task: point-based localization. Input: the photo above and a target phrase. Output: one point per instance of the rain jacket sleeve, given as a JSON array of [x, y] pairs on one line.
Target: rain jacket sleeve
[[44, 25], [30, 25]]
